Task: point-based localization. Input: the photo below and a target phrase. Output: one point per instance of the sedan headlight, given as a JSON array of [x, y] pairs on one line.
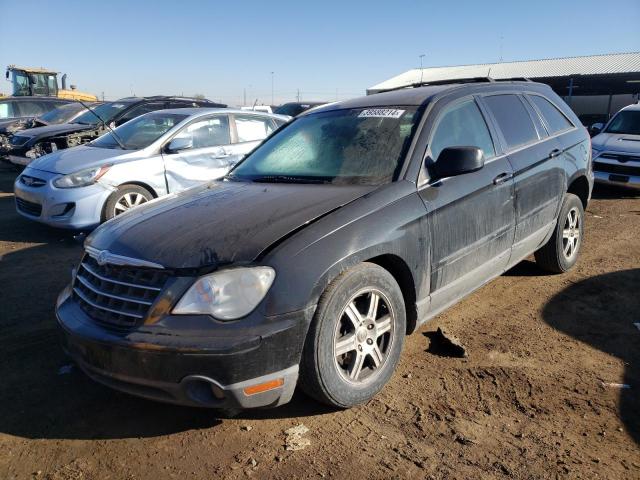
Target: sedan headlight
[[227, 294], [82, 178]]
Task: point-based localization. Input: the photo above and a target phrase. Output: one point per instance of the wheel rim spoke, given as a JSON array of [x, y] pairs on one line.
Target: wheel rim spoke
[[566, 233], [353, 314], [383, 325], [373, 306], [376, 356], [356, 368], [345, 345]]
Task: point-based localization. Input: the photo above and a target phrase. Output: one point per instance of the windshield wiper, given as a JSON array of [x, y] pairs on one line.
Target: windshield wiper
[[113, 134], [287, 179]]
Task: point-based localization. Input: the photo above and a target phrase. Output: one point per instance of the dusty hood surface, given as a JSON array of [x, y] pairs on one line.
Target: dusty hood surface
[[77, 158], [617, 142], [219, 223]]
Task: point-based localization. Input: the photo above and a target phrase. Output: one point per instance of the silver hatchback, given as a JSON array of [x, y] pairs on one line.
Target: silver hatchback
[[150, 156]]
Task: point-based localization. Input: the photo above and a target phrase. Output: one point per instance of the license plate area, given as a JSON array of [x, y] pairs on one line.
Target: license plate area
[[619, 178]]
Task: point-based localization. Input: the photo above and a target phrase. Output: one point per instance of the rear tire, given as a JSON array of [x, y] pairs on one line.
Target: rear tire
[[355, 339], [561, 252], [125, 198]]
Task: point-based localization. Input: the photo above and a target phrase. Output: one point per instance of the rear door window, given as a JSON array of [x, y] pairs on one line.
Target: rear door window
[[513, 119], [8, 110], [556, 121], [252, 127], [462, 125]]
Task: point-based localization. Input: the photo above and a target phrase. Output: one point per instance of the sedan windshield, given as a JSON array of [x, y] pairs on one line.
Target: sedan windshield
[[106, 112], [354, 146], [626, 122], [62, 114], [140, 132]]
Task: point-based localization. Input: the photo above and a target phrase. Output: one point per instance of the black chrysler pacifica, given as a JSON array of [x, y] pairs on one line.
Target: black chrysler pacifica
[[343, 232]]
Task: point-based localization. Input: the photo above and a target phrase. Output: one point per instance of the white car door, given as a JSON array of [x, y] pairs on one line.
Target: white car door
[[250, 130], [206, 154]]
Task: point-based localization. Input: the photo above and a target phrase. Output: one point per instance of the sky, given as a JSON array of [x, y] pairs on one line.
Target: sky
[[326, 50]]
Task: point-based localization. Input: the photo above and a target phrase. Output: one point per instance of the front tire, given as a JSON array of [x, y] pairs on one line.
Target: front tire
[[125, 198], [561, 252], [356, 337]]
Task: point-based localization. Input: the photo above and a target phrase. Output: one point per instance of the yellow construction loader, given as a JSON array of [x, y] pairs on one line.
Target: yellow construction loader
[[42, 82]]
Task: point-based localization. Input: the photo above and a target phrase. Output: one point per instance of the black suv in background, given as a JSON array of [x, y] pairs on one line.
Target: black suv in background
[[296, 108], [29, 145], [315, 256]]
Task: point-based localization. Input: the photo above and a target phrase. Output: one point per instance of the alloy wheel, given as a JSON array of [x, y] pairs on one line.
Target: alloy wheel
[[128, 201], [571, 234], [363, 337]]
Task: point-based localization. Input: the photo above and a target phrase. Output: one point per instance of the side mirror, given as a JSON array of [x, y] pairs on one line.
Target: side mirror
[[454, 161], [179, 144], [596, 128]]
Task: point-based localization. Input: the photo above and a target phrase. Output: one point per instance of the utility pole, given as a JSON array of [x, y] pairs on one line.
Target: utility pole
[[272, 102], [501, 43], [298, 96], [421, 57], [244, 97]]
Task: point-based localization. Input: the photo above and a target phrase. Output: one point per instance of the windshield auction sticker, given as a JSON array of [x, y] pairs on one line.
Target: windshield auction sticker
[[381, 113]]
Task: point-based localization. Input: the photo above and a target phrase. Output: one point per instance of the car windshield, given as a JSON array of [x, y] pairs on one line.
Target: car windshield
[[140, 132], [62, 114], [626, 122], [354, 146], [106, 112]]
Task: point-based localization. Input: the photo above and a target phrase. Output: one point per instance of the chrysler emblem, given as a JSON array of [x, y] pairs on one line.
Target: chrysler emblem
[[103, 257]]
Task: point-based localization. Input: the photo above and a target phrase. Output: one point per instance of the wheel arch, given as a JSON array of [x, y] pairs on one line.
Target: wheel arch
[[580, 187], [146, 186]]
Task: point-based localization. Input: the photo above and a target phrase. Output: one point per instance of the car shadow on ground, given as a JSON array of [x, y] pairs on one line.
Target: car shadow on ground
[[595, 311]]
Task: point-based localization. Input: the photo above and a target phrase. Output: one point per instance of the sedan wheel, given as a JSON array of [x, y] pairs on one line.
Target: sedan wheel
[[124, 199], [127, 201]]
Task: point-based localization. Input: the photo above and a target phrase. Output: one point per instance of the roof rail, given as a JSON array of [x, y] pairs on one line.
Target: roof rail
[[456, 80]]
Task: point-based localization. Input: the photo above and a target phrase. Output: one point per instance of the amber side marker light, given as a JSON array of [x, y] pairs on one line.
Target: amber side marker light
[[263, 387]]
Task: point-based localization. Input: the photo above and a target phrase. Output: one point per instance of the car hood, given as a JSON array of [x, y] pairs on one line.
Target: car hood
[[218, 223], [55, 130], [616, 142], [78, 158]]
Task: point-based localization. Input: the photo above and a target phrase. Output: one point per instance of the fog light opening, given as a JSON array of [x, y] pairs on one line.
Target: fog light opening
[[263, 387]]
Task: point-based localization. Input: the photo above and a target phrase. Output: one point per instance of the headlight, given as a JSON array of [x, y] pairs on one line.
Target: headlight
[[227, 294], [81, 178]]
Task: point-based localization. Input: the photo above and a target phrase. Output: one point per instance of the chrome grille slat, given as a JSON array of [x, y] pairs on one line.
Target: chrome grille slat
[[117, 295], [100, 307], [105, 279], [88, 284]]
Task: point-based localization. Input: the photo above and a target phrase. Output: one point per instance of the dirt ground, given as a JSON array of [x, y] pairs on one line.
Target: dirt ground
[[528, 402]]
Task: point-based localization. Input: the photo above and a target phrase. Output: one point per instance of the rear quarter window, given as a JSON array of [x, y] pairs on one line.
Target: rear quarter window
[[513, 119], [555, 119]]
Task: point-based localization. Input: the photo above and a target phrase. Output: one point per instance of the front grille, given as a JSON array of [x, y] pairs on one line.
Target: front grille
[[615, 168], [31, 181], [29, 208], [118, 296], [621, 157]]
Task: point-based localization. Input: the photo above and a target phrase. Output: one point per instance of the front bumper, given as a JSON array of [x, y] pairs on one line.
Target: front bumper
[[616, 179], [208, 369], [73, 208]]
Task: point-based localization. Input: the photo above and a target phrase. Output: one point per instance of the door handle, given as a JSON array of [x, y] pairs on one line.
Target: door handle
[[503, 177], [555, 152]]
